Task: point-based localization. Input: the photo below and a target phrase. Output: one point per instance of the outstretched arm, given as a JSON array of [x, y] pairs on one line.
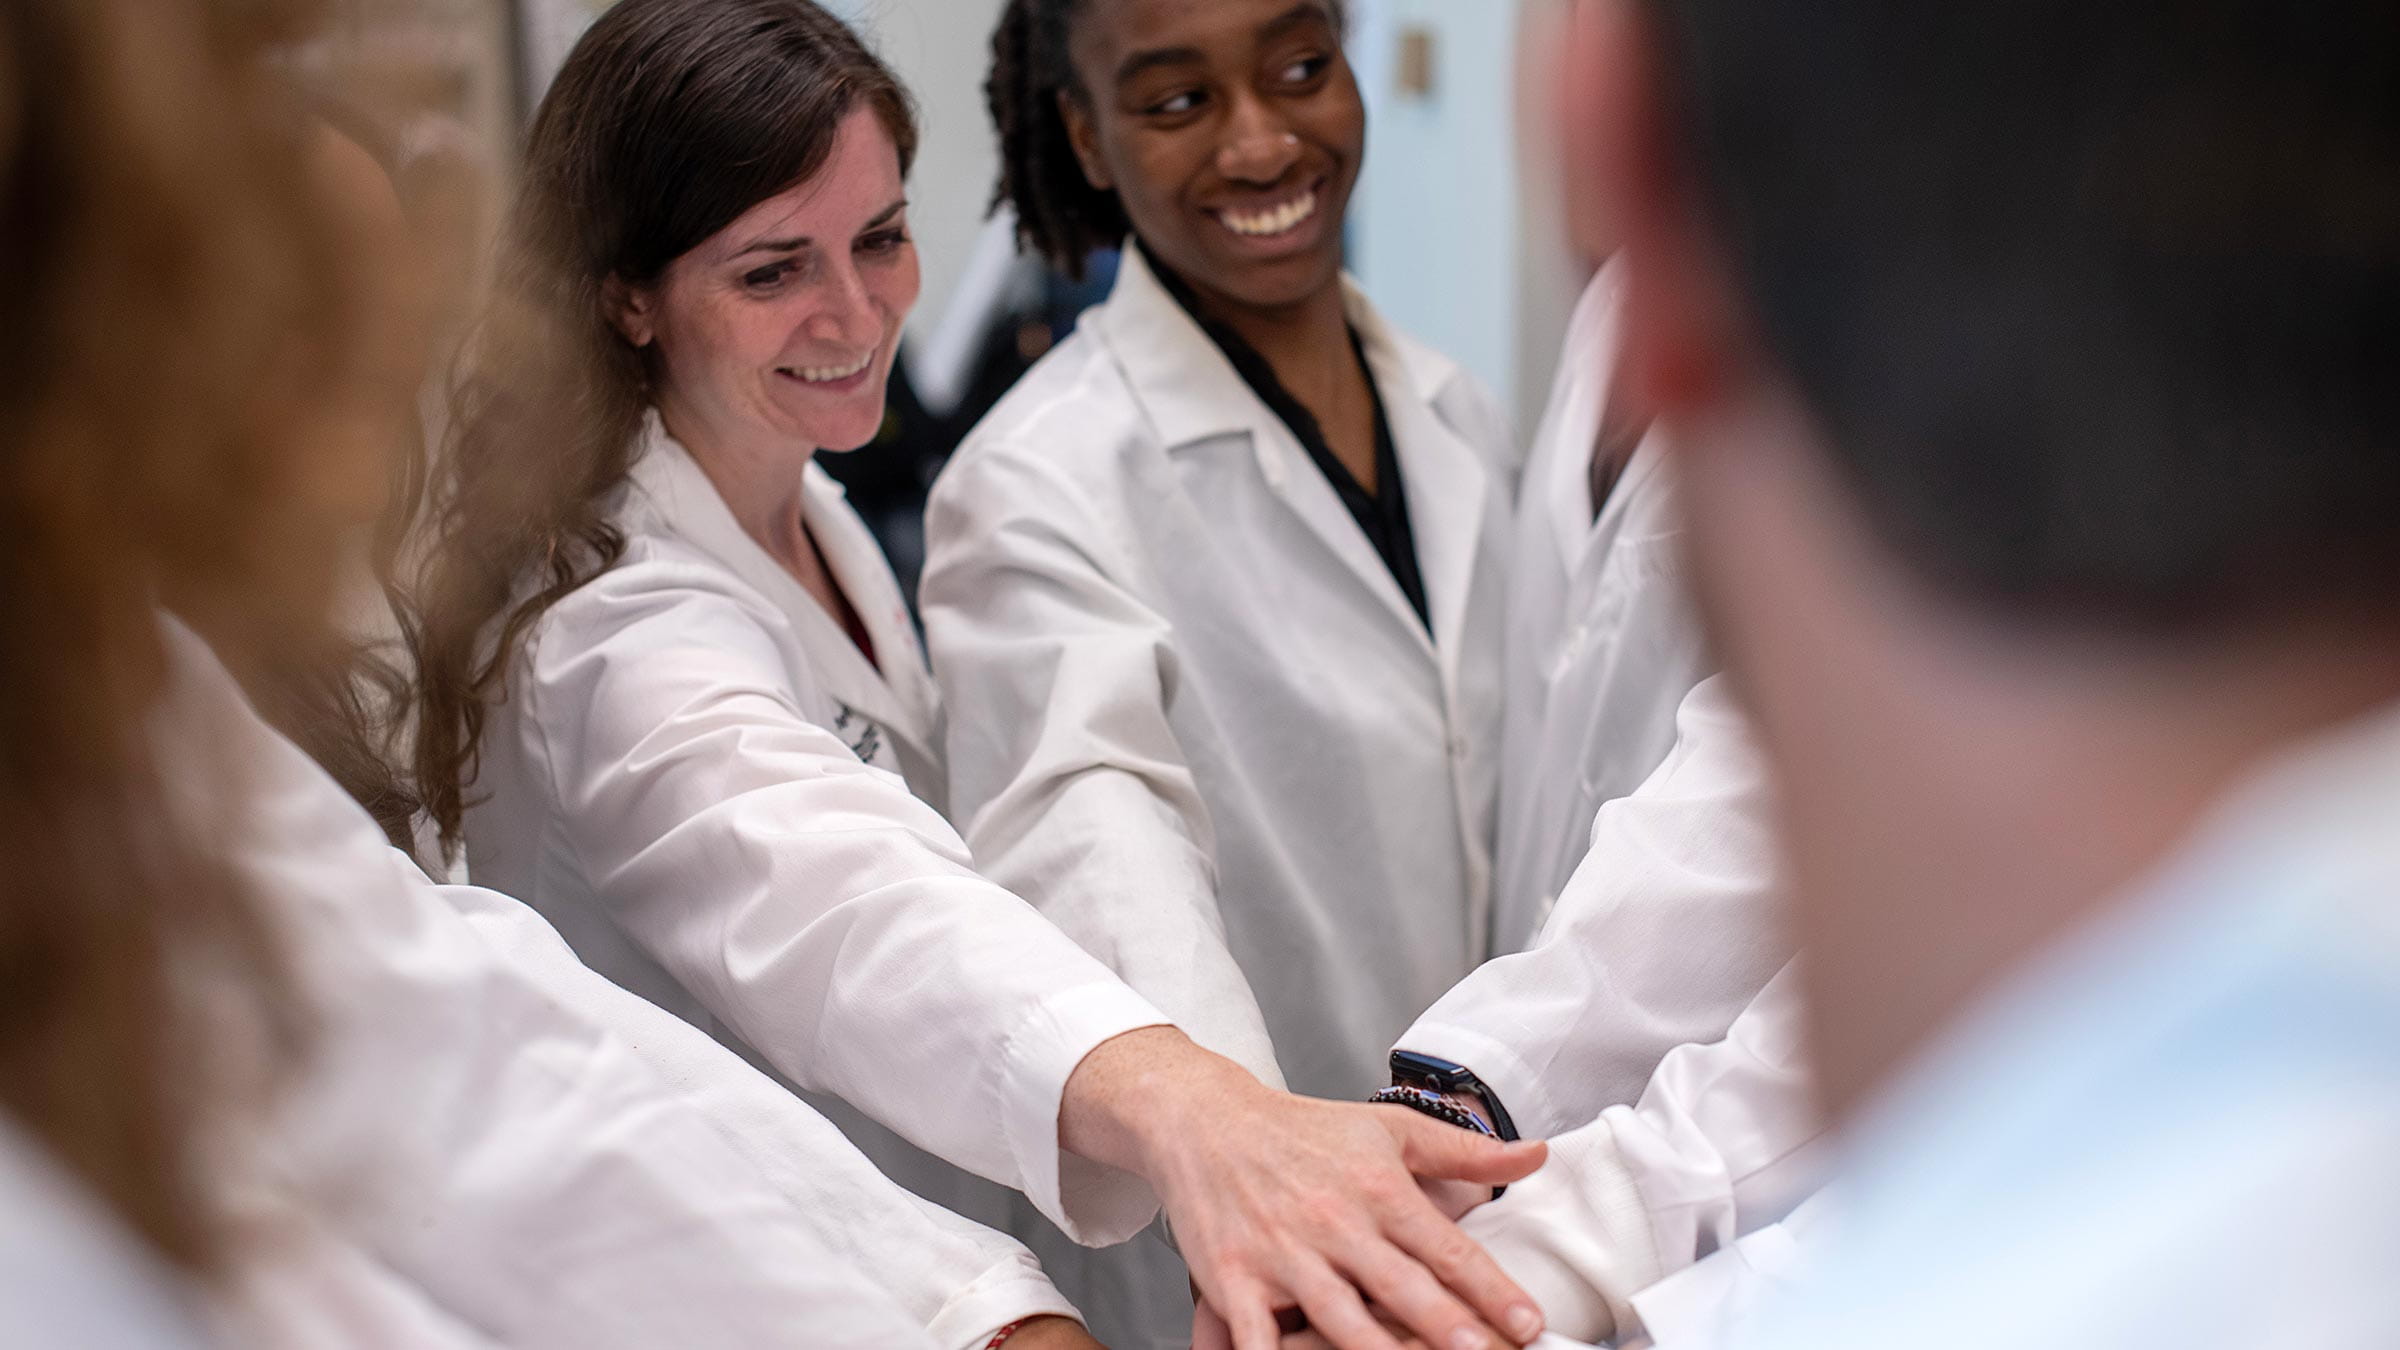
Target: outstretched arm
[[1284, 1202]]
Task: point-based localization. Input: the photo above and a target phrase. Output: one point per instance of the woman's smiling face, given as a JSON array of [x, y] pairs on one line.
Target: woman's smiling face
[[1231, 130], [781, 328]]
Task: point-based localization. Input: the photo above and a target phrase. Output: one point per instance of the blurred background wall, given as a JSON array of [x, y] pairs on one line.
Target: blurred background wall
[[1453, 230], [940, 47]]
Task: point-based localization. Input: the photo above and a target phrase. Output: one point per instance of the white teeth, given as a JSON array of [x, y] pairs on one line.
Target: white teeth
[[1266, 224], [830, 374]]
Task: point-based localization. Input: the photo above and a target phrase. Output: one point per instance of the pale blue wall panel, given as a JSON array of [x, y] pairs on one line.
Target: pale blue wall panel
[[1434, 229]]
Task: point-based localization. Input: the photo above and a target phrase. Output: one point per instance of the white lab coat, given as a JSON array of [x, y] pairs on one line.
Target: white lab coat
[[1661, 937], [300, 1283], [1603, 643], [1192, 714], [1725, 1140], [1709, 1304], [71, 1274], [475, 1154], [960, 1280], [1636, 821], [674, 784], [702, 609], [1658, 929]]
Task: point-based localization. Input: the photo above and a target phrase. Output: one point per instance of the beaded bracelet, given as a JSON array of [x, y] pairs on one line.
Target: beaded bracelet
[[1435, 1105], [1441, 1108], [1000, 1337]]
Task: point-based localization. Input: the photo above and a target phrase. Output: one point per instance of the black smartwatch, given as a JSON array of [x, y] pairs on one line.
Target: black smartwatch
[[1410, 1069]]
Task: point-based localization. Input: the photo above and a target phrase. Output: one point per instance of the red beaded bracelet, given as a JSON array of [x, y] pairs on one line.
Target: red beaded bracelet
[[1000, 1337]]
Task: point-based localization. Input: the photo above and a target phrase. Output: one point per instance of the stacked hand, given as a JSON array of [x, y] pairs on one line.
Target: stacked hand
[[1209, 1333], [1286, 1203]]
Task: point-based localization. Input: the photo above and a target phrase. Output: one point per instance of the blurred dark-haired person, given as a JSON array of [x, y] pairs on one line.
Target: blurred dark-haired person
[[2028, 371], [670, 695]]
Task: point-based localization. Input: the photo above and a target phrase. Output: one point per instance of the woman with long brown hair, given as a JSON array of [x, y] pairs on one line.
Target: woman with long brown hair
[[293, 1082], [670, 697]]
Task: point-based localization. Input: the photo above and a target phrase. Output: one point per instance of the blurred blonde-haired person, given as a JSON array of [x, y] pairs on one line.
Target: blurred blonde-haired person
[[261, 1078]]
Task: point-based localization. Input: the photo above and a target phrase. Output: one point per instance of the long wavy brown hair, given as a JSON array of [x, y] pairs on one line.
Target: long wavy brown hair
[[170, 287], [670, 119]]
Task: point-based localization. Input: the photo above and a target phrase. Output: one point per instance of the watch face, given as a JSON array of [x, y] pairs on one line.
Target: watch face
[[1442, 1075], [1409, 1066]]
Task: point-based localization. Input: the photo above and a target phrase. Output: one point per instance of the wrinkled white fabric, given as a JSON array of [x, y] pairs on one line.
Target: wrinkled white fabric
[[1603, 643], [959, 1280], [1660, 938], [675, 781], [71, 1275], [1707, 1304], [1192, 717], [1637, 833], [510, 1161], [299, 1284], [1724, 1141]]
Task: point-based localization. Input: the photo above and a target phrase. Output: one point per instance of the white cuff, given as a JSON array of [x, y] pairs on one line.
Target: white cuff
[[1008, 1293], [1575, 1235], [1501, 1069], [1094, 1204]]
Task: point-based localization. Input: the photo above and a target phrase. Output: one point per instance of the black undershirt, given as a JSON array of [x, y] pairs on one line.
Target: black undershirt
[[1382, 514]]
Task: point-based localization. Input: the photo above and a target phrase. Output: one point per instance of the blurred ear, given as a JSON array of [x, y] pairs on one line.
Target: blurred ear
[[1683, 337], [1085, 137], [628, 308]]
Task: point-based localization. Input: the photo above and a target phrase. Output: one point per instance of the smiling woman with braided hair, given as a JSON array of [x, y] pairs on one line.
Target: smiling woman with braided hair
[[1214, 596]]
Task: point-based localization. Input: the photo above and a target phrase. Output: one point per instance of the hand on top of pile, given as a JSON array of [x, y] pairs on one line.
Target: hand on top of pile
[[1281, 1202]]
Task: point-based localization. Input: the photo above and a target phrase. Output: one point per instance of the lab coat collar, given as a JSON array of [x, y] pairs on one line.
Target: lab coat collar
[[1444, 477], [1187, 388], [673, 496], [1191, 394]]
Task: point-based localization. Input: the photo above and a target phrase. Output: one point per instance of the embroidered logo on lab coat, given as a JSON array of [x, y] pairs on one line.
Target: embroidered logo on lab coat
[[859, 732]]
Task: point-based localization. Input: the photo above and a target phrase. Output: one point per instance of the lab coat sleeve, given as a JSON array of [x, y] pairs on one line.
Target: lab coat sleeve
[[1662, 936], [512, 1162], [71, 1274], [1723, 1141], [809, 901], [298, 1285], [1066, 773], [958, 1279], [1714, 1302]]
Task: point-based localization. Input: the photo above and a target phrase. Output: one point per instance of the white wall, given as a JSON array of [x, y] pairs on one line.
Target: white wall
[[941, 48], [1454, 228]]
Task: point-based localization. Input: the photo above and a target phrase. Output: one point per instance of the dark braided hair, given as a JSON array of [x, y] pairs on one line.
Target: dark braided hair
[[1060, 215]]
